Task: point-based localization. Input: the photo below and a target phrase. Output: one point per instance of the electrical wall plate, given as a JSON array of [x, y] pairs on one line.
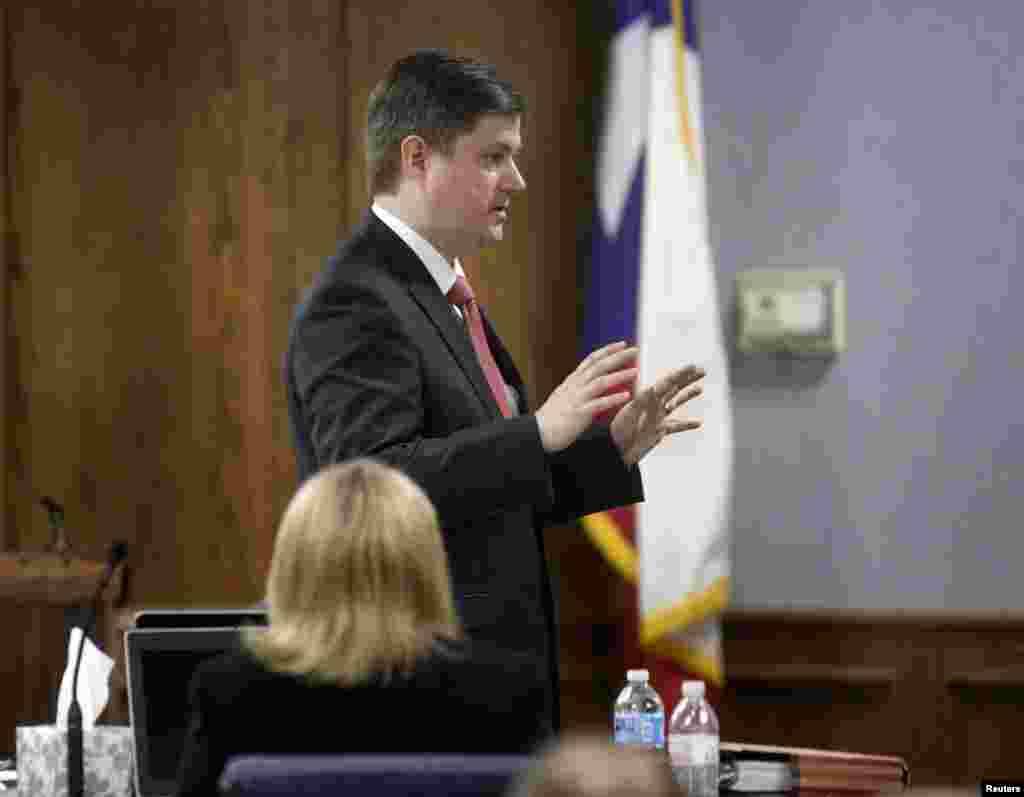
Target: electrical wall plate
[[800, 312]]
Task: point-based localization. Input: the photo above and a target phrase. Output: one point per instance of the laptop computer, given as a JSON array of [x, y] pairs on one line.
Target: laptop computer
[[160, 663], [198, 618]]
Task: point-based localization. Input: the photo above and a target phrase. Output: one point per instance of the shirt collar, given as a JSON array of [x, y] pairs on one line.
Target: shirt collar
[[440, 269]]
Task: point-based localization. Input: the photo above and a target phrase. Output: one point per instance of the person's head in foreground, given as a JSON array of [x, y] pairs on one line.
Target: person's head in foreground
[[591, 766], [358, 583], [442, 135]]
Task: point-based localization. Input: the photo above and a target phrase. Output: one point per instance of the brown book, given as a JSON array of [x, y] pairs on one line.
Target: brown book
[[769, 768]]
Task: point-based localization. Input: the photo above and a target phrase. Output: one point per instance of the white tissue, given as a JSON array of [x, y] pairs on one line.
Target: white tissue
[[93, 681]]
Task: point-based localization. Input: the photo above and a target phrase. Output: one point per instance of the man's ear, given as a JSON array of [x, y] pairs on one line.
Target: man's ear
[[414, 153]]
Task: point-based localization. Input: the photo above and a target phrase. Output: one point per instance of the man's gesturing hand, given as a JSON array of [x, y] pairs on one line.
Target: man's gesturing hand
[[647, 419], [573, 405]]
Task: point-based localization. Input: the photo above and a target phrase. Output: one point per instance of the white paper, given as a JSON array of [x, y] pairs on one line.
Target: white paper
[[93, 681]]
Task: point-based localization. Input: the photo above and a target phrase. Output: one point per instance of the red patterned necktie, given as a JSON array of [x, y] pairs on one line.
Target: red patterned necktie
[[461, 295]]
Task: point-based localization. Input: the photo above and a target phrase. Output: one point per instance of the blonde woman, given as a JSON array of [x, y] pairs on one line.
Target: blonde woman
[[364, 650]]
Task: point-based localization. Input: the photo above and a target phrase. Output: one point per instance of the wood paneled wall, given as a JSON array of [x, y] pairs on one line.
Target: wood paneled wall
[[6, 238], [176, 183], [177, 172]]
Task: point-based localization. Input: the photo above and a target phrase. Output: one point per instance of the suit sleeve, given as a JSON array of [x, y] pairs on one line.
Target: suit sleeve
[[359, 380], [590, 476]]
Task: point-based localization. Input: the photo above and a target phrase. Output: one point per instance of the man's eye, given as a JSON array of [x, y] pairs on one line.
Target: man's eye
[[496, 158]]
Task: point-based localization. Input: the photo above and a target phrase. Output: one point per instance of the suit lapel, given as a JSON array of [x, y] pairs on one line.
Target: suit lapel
[[424, 291]]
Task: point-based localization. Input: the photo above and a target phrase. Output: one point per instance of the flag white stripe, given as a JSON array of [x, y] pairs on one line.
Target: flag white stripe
[[682, 526], [624, 134]]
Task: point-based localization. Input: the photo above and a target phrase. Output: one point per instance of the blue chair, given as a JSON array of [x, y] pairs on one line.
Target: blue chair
[[372, 775]]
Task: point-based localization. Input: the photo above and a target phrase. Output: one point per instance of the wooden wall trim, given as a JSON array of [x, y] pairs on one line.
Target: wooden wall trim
[[943, 691], [797, 675], [934, 620], [1009, 677]]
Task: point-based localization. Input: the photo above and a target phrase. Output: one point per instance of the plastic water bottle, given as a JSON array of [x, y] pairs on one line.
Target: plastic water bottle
[[639, 714], [693, 743]]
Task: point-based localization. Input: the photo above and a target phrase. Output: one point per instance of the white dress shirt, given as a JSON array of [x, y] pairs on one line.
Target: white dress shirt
[[438, 266]]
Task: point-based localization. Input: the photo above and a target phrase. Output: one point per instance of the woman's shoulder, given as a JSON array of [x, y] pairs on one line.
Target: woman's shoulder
[[463, 667], [232, 671]]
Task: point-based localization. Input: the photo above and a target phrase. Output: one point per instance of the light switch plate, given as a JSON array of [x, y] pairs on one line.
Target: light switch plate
[[801, 312]]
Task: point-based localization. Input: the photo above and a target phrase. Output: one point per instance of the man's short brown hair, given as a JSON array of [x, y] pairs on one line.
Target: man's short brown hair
[[432, 95]]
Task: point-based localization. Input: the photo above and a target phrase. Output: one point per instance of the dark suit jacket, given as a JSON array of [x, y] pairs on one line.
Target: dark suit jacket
[[378, 365], [464, 699]]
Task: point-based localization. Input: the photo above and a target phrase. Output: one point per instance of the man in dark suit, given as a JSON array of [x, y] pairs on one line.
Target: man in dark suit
[[389, 357]]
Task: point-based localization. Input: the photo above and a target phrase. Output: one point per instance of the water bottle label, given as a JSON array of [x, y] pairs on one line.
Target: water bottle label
[[633, 727], [693, 749]]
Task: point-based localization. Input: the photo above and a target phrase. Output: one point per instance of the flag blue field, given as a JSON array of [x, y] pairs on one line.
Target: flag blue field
[[652, 281]]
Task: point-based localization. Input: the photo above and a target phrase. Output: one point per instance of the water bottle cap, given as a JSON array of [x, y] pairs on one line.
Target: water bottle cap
[[693, 689], [633, 676]]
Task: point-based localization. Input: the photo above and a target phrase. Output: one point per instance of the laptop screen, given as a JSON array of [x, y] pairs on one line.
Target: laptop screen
[[160, 666]]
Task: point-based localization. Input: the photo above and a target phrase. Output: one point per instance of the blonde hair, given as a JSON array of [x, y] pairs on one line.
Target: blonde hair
[[591, 766], [359, 581]]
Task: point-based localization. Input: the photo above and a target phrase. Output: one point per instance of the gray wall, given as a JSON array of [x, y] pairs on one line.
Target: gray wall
[[882, 138]]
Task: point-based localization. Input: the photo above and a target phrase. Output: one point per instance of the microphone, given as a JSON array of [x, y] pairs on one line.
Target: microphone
[[76, 770], [55, 513], [55, 510]]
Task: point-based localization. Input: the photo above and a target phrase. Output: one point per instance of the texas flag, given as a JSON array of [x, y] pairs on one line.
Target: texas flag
[[652, 281]]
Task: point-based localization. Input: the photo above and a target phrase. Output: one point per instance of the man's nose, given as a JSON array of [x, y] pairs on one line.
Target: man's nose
[[516, 181]]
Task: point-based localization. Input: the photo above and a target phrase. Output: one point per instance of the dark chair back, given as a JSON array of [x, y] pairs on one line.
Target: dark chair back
[[372, 775]]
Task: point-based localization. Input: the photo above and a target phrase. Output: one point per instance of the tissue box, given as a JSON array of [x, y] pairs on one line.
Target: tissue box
[[43, 760]]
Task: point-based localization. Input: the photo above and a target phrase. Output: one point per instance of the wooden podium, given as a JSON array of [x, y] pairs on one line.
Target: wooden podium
[[36, 589], [52, 579]]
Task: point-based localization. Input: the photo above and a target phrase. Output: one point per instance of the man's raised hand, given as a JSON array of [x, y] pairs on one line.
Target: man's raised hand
[[646, 420], [584, 394]]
